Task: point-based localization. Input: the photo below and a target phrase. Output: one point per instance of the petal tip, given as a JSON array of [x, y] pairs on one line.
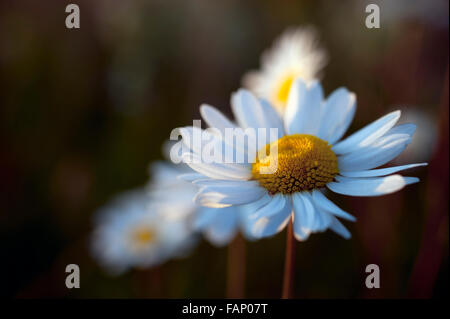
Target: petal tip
[[411, 180]]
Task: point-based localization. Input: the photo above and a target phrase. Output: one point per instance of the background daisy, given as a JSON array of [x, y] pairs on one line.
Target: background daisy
[[131, 233], [295, 54], [172, 191]]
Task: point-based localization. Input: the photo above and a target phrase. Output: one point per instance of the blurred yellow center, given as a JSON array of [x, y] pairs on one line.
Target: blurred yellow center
[[304, 162], [283, 90], [143, 235]]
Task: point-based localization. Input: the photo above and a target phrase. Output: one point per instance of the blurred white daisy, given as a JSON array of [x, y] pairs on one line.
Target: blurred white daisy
[[310, 157], [131, 233], [295, 54], [172, 190], [171, 193]]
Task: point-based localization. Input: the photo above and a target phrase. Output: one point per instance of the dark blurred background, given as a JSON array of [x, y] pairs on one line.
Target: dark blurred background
[[84, 111]]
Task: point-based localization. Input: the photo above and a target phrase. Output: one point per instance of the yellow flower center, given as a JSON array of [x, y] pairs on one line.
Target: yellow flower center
[[304, 162], [284, 88], [142, 236]]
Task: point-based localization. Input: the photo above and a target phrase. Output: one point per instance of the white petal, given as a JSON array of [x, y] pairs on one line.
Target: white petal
[[247, 110], [297, 93], [371, 186], [368, 134], [188, 135], [303, 109], [257, 114], [273, 120], [203, 217], [304, 216], [209, 182], [224, 196], [381, 171], [268, 226], [223, 226], [214, 118], [407, 128], [323, 220], [382, 151], [276, 204], [217, 170], [303, 211], [324, 203], [250, 208], [220, 236], [229, 132], [339, 229], [245, 222], [337, 115], [190, 177], [210, 142]]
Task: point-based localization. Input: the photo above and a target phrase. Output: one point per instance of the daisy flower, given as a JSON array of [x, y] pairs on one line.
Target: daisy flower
[[311, 157], [295, 54], [172, 190], [131, 233]]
